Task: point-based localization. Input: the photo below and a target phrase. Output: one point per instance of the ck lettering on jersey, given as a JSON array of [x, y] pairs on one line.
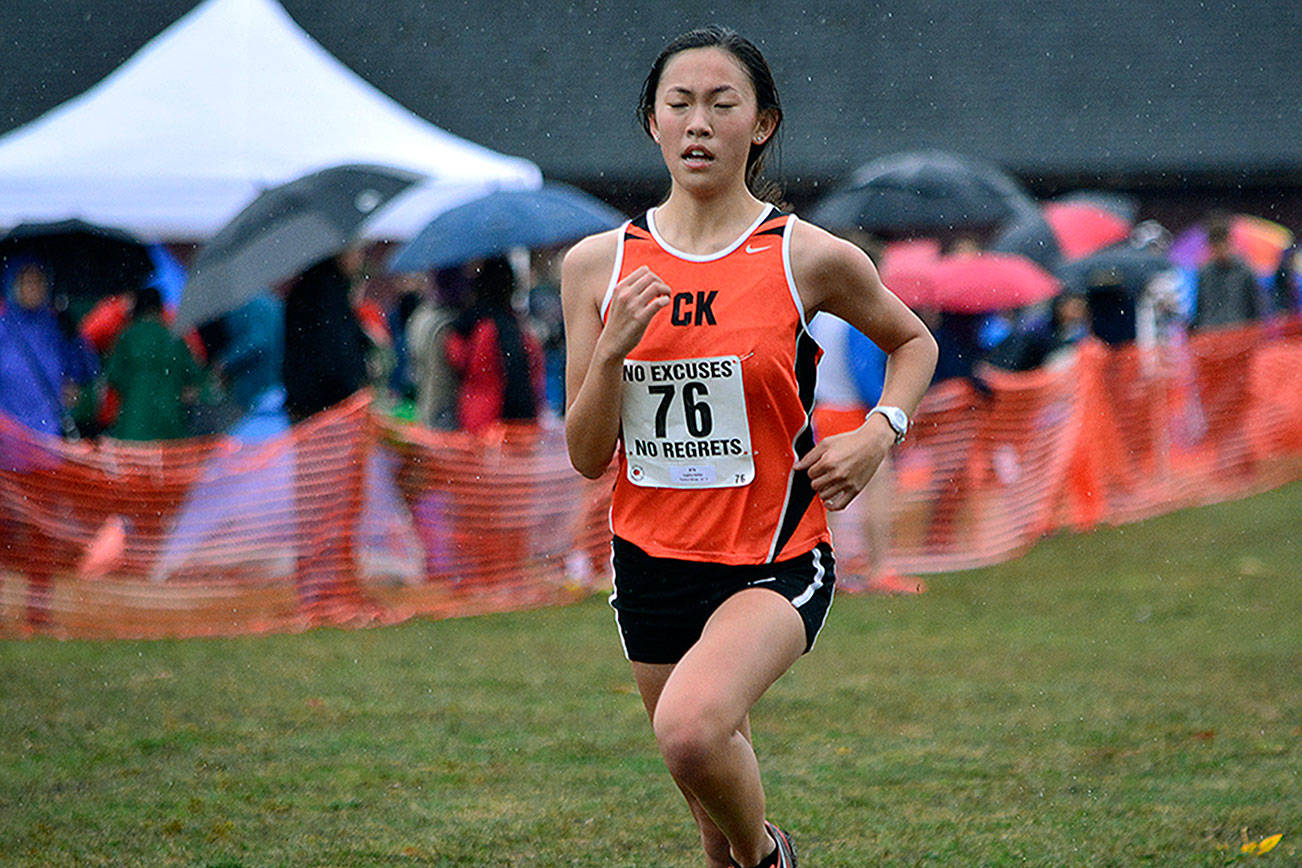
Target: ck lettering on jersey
[[693, 308]]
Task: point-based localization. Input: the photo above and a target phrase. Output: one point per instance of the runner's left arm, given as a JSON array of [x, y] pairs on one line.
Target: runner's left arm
[[833, 275]]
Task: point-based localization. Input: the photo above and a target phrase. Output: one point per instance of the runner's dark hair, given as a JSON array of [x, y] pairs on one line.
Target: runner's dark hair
[[761, 79]]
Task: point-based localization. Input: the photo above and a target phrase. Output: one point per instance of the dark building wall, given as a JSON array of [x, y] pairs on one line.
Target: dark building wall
[[1181, 101]]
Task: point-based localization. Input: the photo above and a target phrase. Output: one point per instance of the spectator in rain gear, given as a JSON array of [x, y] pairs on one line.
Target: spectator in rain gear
[[251, 360], [41, 367], [1228, 294], [401, 383], [499, 362], [548, 321], [325, 346], [436, 383], [1286, 286], [1044, 338], [963, 339], [154, 373], [959, 338], [41, 370], [324, 363]]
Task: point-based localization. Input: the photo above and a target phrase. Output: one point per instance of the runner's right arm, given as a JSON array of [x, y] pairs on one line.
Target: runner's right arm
[[595, 352]]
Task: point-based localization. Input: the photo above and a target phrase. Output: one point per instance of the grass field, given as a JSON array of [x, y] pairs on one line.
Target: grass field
[[1131, 696]]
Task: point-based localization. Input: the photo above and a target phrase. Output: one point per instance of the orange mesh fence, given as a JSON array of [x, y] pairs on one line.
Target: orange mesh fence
[[353, 519], [978, 479]]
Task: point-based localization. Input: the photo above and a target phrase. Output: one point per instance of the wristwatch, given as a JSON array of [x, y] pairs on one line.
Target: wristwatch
[[895, 417]]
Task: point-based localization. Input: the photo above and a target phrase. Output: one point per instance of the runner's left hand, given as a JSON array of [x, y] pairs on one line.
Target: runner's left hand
[[840, 466]]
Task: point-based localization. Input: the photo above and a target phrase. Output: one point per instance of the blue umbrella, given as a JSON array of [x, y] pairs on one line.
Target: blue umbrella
[[504, 219]]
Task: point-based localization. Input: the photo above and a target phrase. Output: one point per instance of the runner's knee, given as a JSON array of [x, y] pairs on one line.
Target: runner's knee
[[690, 732]]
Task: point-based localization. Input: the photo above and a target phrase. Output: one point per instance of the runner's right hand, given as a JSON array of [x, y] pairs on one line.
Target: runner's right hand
[[635, 300]]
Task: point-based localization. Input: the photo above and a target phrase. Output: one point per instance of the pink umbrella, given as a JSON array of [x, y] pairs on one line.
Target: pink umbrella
[[906, 271], [986, 282], [1083, 228]]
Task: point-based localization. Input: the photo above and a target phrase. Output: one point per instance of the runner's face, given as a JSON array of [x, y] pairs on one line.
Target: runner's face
[[705, 118]]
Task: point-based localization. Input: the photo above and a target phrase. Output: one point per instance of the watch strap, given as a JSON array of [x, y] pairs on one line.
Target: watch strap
[[895, 417]]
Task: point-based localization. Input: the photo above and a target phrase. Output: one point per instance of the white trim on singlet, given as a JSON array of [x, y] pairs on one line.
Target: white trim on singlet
[[614, 273], [786, 267], [704, 257]]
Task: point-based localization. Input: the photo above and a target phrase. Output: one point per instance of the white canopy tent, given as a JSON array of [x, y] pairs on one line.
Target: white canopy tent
[[232, 98]]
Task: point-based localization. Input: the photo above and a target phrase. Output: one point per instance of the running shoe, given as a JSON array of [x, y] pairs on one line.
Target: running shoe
[[786, 847], [783, 857]]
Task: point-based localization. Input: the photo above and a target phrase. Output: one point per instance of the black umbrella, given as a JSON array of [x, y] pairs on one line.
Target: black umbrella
[[1120, 267], [1112, 281], [283, 231], [85, 261], [1030, 235], [923, 192]]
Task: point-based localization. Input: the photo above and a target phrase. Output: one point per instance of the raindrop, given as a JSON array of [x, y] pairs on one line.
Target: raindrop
[[367, 200]]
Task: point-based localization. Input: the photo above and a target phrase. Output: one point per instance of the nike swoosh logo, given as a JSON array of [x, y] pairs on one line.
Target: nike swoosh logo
[[750, 249]]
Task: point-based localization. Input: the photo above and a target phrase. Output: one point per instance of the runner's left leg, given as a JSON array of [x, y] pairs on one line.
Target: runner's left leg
[[749, 641]]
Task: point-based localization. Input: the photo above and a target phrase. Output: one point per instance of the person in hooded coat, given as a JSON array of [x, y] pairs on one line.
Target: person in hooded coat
[[253, 356], [41, 367], [324, 363], [497, 359]]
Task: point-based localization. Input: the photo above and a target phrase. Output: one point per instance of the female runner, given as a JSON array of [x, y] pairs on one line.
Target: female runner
[[689, 359]]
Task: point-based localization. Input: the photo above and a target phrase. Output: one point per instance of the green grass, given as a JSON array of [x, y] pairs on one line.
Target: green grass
[[1127, 697]]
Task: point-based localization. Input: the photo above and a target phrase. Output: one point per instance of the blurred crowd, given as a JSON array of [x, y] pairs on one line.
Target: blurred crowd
[[464, 348], [1131, 293], [460, 348]]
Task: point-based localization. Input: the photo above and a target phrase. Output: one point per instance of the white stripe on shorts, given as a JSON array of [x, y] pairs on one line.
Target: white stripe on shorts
[[817, 583]]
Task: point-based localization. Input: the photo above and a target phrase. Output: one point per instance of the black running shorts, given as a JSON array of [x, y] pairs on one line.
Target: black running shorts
[[662, 604]]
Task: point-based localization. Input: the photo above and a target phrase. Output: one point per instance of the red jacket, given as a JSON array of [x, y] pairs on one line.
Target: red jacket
[[478, 361]]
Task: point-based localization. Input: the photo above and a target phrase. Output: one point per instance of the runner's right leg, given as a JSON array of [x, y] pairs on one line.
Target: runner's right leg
[[749, 641], [651, 678]]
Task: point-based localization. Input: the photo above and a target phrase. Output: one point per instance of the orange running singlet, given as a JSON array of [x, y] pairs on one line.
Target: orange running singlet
[[716, 403]]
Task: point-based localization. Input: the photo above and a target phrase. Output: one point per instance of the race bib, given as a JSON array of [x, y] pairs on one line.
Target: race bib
[[685, 425]]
